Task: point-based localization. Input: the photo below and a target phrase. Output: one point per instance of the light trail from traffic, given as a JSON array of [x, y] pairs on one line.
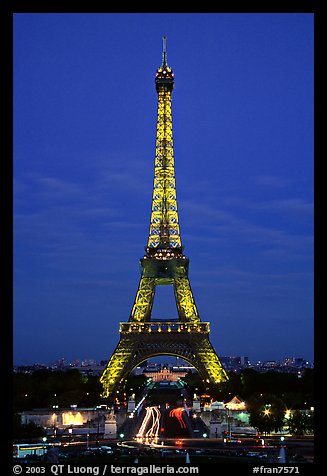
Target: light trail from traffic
[[178, 413], [151, 420]]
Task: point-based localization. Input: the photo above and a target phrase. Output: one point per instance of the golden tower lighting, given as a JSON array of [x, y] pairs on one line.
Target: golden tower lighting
[[163, 264]]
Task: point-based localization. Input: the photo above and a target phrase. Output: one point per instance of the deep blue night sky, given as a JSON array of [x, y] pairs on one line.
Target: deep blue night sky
[[84, 145]]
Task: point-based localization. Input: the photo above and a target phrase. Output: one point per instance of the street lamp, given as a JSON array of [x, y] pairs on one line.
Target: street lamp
[[54, 418], [287, 414], [70, 431], [229, 423], [44, 439], [266, 411]]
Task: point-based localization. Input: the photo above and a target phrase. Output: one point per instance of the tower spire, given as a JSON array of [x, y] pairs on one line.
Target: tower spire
[[164, 51]]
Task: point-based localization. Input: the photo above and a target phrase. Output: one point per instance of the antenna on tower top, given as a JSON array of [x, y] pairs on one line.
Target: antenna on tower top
[[164, 52]]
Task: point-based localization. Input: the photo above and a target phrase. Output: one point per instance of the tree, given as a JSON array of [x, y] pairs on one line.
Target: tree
[[266, 413], [46, 388], [300, 422], [30, 430]]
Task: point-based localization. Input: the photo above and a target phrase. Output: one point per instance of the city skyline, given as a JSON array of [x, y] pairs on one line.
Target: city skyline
[[165, 359], [84, 142]]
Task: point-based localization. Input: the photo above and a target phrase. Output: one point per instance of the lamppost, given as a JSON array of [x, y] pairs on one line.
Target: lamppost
[[54, 428], [266, 413], [88, 434], [228, 423], [44, 439], [98, 427], [70, 431]]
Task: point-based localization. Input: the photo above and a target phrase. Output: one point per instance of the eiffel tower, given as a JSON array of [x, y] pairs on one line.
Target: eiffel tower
[[163, 264]]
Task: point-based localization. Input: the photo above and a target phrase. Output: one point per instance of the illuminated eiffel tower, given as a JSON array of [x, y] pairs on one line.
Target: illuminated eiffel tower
[[163, 264]]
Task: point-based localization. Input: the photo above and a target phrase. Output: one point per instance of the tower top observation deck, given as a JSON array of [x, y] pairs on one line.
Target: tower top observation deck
[[164, 76]]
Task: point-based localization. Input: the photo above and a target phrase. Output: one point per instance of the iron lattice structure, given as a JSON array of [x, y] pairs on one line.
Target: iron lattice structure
[[163, 264]]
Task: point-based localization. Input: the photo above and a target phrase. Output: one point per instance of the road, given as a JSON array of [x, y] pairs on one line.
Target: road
[[175, 428]]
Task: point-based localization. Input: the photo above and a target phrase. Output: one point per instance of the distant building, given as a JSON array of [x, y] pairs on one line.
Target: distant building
[[59, 421], [297, 362], [236, 404], [152, 366], [75, 363], [289, 365], [217, 406], [230, 363], [91, 370], [60, 363], [88, 362], [29, 369], [164, 375], [235, 362], [271, 363], [183, 368]]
